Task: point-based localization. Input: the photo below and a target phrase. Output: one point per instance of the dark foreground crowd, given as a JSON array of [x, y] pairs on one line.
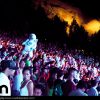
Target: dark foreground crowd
[[52, 71]]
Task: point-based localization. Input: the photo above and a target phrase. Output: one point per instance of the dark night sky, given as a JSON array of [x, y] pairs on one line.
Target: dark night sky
[[14, 11], [88, 7]]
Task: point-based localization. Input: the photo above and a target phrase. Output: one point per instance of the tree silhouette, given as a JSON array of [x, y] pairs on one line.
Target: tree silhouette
[[58, 31], [78, 36], [73, 33], [95, 48]]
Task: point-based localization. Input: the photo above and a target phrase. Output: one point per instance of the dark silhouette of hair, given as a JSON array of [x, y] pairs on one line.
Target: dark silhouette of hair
[[82, 84], [26, 68], [93, 83], [3, 66], [40, 86], [70, 70]]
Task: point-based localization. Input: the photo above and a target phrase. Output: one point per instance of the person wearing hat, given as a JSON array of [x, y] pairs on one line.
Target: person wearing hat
[[7, 68], [30, 45]]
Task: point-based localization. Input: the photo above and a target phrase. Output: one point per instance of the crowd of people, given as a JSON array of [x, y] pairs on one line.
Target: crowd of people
[[49, 71]]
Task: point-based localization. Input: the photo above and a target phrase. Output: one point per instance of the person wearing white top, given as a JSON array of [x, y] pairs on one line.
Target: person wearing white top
[[27, 86], [5, 81], [8, 68], [18, 78], [30, 45], [24, 90]]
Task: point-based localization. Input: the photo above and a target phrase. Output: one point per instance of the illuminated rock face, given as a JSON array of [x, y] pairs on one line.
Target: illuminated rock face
[[66, 12]]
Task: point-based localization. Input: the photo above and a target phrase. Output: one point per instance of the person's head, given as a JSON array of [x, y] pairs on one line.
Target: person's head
[[46, 70], [82, 85], [60, 75], [73, 73], [38, 90], [8, 67], [89, 73], [22, 64], [94, 83], [32, 36], [98, 79], [26, 73]]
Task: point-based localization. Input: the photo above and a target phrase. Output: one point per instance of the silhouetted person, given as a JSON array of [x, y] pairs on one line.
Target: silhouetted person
[[8, 68]]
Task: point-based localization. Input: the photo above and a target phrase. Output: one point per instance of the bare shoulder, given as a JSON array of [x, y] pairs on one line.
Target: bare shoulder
[[30, 84]]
